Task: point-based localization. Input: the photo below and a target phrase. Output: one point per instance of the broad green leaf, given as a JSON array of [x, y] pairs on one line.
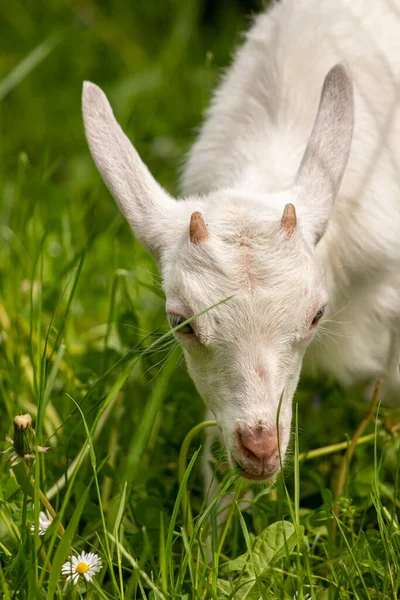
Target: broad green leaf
[[248, 589], [271, 544], [238, 563], [224, 587], [276, 541], [9, 489]]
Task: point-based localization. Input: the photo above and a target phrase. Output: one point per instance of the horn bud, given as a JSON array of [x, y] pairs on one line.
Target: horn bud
[[198, 229], [289, 219]]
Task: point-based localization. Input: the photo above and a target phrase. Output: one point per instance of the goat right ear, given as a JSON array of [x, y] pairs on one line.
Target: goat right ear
[[149, 210], [320, 174]]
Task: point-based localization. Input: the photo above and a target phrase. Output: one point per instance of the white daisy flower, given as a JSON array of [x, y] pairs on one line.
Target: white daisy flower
[[83, 565], [45, 520]]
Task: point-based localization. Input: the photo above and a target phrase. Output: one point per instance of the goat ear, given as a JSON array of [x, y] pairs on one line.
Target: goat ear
[[149, 210], [322, 167]]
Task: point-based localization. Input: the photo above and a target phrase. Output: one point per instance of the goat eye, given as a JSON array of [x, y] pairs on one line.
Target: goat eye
[[318, 315], [176, 320]]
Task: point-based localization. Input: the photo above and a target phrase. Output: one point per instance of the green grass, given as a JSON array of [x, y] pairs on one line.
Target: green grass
[[80, 306]]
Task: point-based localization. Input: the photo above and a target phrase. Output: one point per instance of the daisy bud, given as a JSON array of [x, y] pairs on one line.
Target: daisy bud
[[24, 443], [24, 435]]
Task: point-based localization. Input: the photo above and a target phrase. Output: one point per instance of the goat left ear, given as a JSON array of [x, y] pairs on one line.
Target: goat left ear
[[149, 210], [322, 167]]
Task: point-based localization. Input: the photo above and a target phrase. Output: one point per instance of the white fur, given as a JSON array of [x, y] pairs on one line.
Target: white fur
[[255, 154]]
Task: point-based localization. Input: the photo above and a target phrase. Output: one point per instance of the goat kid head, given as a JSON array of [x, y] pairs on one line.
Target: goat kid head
[[254, 251]]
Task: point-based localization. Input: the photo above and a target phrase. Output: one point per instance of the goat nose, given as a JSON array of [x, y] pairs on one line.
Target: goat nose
[[262, 443]]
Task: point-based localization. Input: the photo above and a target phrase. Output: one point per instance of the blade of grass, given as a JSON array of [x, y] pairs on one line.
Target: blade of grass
[[174, 516], [141, 438], [96, 429], [27, 65], [214, 549], [158, 593], [93, 461], [5, 588], [66, 543], [353, 559], [182, 461], [51, 380], [163, 561], [118, 528]]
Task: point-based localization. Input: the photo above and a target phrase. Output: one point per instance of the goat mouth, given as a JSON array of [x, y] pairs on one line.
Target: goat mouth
[[264, 477], [265, 474]]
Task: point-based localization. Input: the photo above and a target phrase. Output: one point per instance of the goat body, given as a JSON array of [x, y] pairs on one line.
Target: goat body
[[255, 135], [273, 224]]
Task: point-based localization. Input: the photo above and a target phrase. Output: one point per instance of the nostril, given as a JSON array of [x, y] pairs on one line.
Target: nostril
[[250, 449], [259, 444]]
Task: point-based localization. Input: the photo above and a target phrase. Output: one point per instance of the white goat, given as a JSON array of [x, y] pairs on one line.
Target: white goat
[[259, 225]]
